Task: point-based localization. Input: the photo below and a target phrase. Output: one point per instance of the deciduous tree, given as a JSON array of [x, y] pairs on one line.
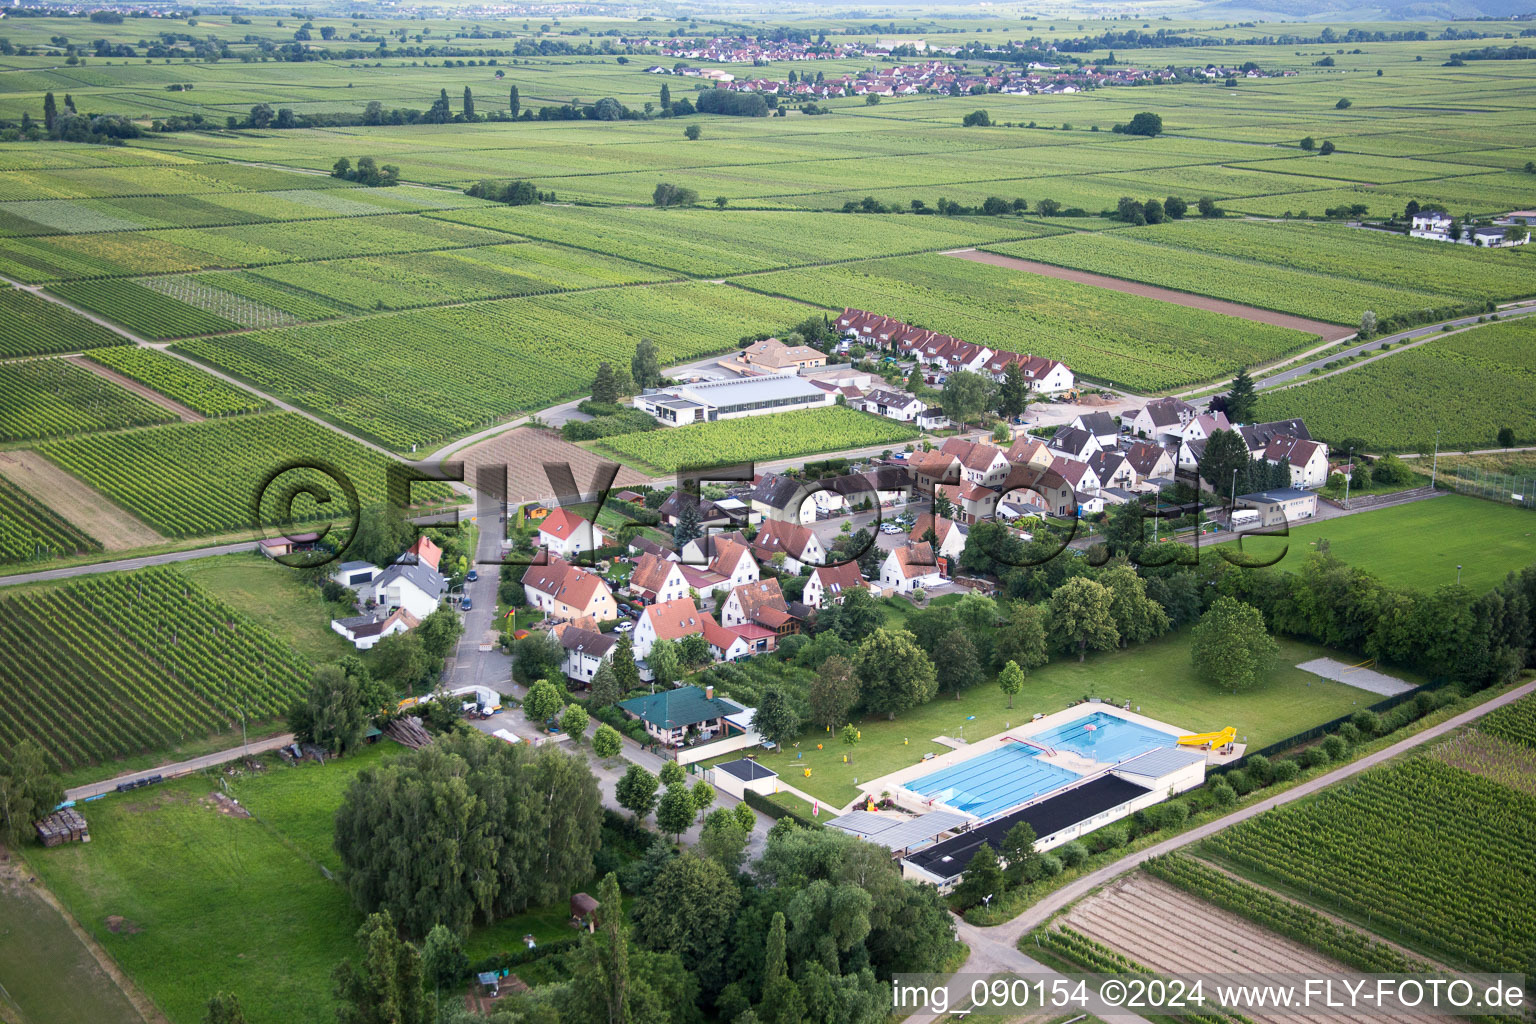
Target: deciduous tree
[[1081, 617], [385, 987], [607, 742], [636, 791], [1230, 646], [893, 672], [834, 692]]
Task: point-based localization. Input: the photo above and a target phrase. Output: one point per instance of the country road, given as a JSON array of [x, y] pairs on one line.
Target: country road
[[995, 949], [187, 767]]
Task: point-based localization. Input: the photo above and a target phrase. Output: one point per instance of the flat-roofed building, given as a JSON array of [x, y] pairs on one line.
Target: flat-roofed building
[[708, 401]]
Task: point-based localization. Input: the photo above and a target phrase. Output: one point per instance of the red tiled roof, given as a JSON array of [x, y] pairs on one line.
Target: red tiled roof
[[673, 620]]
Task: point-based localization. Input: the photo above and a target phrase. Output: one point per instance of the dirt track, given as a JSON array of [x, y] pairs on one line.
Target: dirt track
[[1329, 332], [147, 393], [71, 498]]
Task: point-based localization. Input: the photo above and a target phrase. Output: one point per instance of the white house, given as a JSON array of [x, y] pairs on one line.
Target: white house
[[724, 644], [1150, 461], [670, 620], [910, 567], [1160, 419], [733, 560], [1103, 427], [415, 588], [364, 631], [585, 650], [761, 602], [981, 462], [1431, 224], [798, 544], [828, 583], [1307, 460], [1074, 443], [951, 535], [656, 579], [894, 405], [567, 534]]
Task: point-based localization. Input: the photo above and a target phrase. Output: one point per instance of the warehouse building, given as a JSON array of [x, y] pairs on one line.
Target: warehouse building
[[708, 401]]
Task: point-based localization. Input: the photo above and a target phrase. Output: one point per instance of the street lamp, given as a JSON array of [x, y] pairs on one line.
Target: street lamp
[[1434, 466], [1232, 501], [1349, 477]]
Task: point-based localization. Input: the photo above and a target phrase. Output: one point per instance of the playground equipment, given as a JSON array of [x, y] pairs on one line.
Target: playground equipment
[[1213, 739]]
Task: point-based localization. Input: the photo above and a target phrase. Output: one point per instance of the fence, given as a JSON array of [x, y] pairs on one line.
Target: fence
[[754, 799], [1508, 488]]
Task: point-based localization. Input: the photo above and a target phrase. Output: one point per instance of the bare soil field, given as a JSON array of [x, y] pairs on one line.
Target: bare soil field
[[525, 451], [1169, 930], [88, 509], [1329, 332], [147, 393]]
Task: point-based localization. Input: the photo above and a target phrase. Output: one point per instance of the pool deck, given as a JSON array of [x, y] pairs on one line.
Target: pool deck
[[895, 783]]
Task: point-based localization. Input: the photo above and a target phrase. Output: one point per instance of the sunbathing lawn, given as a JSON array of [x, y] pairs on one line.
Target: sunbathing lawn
[[1156, 677], [1420, 544]]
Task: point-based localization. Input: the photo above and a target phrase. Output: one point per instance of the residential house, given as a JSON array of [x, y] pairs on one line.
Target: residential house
[[670, 620], [971, 502], [1203, 426], [782, 498], [1258, 435], [673, 715], [798, 544], [1280, 506], [828, 583], [1113, 469], [1025, 483], [1160, 419], [423, 552], [892, 485], [656, 579], [1149, 461], [363, 631], [733, 562], [564, 592], [566, 534], [585, 650], [671, 509], [1307, 460], [1029, 451], [641, 545], [949, 536], [910, 567], [1080, 475], [981, 462], [896, 405], [701, 550], [724, 644], [761, 603], [932, 468], [773, 356], [1104, 427], [416, 588], [1074, 443]]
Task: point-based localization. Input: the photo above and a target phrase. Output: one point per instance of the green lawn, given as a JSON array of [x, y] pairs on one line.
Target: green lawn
[[1157, 678], [277, 598], [1421, 543]]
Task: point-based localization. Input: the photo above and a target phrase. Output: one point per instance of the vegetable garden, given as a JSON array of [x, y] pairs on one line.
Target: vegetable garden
[[30, 531], [1467, 385], [1420, 851], [118, 663], [56, 398], [188, 479], [175, 379], [775, 436]]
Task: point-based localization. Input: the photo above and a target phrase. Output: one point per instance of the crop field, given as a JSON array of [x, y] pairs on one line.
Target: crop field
[[224, 305], [122, 662], [173, 378], [1111, 336], [1467, 385], [32, 532], [1486, 754], [713, 243], [1514, 722], [190, 479], [56, 398], [1119, 254], [457, 275], [757, 438], [252, 298], [1420, 851], [150, 313], [455, 369], [32, 326]]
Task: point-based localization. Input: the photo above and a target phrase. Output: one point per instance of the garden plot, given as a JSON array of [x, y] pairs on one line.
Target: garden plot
[[1171, 931]]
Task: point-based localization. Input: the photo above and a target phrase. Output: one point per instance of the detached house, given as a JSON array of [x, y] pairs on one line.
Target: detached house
[[724, 644], [734, 563], [782, 498], [828, 583], [1150, 461], [1046, 484], [363, 631], [1307, 460], [1258, 435], [910, 567], [671, 715], [585, 650], [563, 592], [798, 544], [415, 588], [566, 534], [423, 552], [656, 579], [981, 463], [1074, 443], [773, 356], [670, 620], [893, 405], [950, 535], [762, 604], [930, 469], [1162, 419], [1103, 427]]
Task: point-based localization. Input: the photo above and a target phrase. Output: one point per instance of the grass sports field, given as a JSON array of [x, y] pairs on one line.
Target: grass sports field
[[1156, 677], [1420, 544]]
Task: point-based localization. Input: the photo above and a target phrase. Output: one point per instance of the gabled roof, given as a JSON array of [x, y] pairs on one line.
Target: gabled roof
[[1167, 412], [757, 598], [976, 455], [645, 545], [935, 464], [423, 552], [888, 478], [940, 526], [837, 578], [679, 498], [1292, 451], [1144, 457], [1072, 471], [776, 491], [717, 635], [678, 708], [776, 535], [1074, 440], [915, 559], [651, 572], [673, 620], [1099, 423], [565, 582], [428, 581], [1026, 449], [896, 399], [1258, 435], [586, 641], [361, 626], [728, 555], [562, 524], [1106, 463]]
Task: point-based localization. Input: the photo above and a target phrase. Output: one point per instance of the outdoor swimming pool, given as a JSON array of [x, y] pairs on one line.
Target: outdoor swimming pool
[[993, 782], [1104, 737]]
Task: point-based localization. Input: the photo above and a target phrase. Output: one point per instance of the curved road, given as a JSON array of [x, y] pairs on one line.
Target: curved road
[[996, 949]]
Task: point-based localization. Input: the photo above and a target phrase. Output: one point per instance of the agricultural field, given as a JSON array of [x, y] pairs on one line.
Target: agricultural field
[[201, 392], [1485, 753], [1125, 254], [146, 312], [191, 479], [452, 370], [1467, 385], [32, 532], [55, 398], [1514, 722], [31, 326], [180, 664], [1396, 848], [1125, 339], [758, 438], [717, 243]]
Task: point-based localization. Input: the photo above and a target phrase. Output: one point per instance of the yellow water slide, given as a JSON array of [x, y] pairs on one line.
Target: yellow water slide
[[1215, 739]]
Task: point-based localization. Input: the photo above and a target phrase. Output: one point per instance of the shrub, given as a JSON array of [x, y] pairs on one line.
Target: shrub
[[1313, 757], [1367, 722], [1072, 854], [1349, 734], [1334, 746], [1287, 770], [1259, 770], [1222, 794], [1110, 837], [1050, 865]]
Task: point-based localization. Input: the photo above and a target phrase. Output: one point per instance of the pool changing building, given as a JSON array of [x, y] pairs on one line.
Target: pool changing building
[[705, 402], [1063, 815]]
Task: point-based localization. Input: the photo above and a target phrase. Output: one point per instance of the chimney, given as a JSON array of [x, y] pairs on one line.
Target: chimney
[[709, 692]]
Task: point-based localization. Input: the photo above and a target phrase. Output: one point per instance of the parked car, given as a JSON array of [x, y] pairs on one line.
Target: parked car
[[624, 627], [473, 575], [466, 604], [889, 528]]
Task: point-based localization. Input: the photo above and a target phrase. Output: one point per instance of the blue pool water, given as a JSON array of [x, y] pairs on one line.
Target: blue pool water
[[1113, 739], [993, 782]]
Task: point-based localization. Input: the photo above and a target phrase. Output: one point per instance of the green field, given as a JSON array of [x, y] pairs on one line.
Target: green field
[[30, 531], [1420, 544], [757, 438], [32, 326], [274, 597], [56, 398], [1467, 386], [1156, 677], [201, 392]]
